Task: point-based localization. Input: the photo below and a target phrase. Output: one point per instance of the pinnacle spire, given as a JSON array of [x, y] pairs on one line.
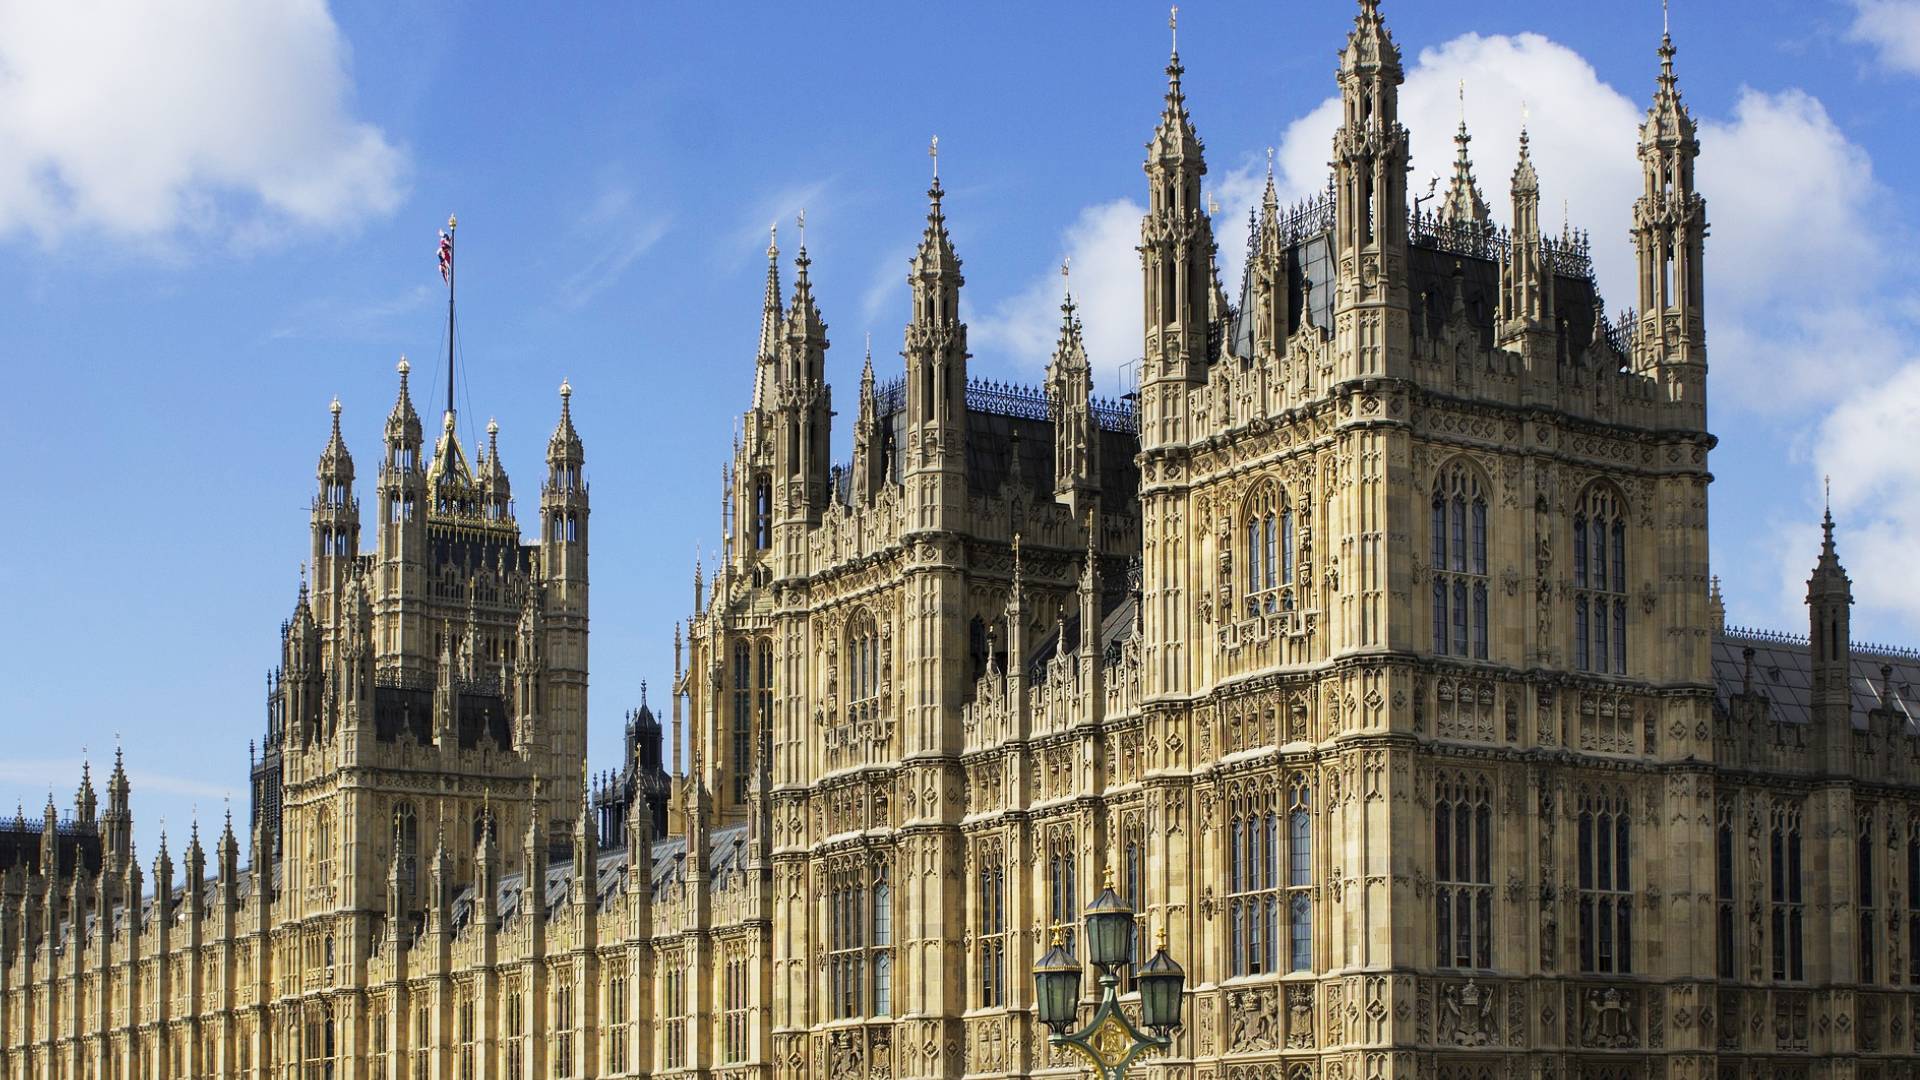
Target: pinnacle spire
[[403, 423], [1174, 138], [771, 313], [1463, 204], [565, 444]]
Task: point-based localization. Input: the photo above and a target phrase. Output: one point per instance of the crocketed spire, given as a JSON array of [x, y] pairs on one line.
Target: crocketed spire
[[1463, 204], [803, 315], [565, 445], [1174, 139], [1525, 180], [403, 424], [335, 462], [935, 260], [771, 315], [1370, 46]]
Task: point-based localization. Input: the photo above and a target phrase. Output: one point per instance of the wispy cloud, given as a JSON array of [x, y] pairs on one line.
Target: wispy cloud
[[340, 318], [780, 207], [1892, 29], [616, 232]]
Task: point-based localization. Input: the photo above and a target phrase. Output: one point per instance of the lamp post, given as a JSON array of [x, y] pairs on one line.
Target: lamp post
[[1109, 1041]]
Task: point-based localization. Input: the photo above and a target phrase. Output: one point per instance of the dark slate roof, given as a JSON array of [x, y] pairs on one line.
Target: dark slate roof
[[727, 855], [1783, 671]]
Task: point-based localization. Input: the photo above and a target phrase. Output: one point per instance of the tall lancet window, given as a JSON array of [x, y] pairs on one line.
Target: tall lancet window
[[1267, 536], [762, 513], [742, 717], [1458, 527], [1786, 894], [1868, 913], [1605, 880], [1600, 582], [1463, 872]]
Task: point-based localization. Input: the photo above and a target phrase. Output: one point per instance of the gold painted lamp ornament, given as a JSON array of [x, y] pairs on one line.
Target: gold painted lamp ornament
[[1109, 1041]]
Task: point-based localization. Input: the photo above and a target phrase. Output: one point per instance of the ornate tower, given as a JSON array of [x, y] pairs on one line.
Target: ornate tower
[[936, 386], [1370, 184], [803, 420], [1526, 284], [335, 522], [563, 566], [1829, 605], [1669, 228], [1176, 263], [1076, 438], [401, 552]]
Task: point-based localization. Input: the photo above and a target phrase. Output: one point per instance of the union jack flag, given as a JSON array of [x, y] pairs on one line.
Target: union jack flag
[[446, 256]]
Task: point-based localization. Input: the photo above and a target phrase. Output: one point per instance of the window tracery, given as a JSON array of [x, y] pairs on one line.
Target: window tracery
[[1600, 582], [1458, 532]]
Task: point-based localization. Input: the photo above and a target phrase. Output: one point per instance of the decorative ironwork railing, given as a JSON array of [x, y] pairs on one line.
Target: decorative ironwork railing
[[1781, 637], [1010, 399]]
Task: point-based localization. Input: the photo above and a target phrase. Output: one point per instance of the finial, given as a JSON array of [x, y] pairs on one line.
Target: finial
[[773, 236], [933, 151], [643, 693], [1666, 26], [335, 410], [1106, 873], [1213, 204], [403, 367], [493, 427], [1173, 27], [1269, 162], [1160, 938], [800, 220], [1059, 937], [1827, 481], [566, 389], [869, 346], [1463, 101], [451, 223]]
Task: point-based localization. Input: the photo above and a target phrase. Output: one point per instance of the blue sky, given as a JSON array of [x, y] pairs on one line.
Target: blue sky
[[214, 219]]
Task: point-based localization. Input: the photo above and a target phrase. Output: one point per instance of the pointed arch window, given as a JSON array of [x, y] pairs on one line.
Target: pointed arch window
[[1724, 864], [1463, 872], [323, 848], [406, 851], [1063, 907], [762, 513], [1913, 901], [1600, 582], [1606, 888], [1269, 870], [1868, 910], [990, 920], [1786, 894], [863, 670], [1267, 529], [1458, 528], [742, 717]]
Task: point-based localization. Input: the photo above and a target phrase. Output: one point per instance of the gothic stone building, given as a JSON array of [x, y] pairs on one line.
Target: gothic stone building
[[1371, 645]]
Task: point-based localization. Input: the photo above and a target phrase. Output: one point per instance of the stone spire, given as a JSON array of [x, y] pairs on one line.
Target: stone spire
[[1669, 230], [1174, 139], [1463, 205], [1370, 161], [1076, 437], [1526, 281], [1829, 604]]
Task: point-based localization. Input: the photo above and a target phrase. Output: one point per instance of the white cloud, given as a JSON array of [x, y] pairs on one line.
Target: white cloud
[[218, 117], [1865, 445], [1106, 287], [1892, 28]]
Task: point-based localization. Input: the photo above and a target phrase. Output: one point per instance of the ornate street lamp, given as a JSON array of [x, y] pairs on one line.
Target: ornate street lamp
[[1109, 1041]]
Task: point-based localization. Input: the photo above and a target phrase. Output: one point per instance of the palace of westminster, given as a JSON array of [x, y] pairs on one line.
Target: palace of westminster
[[1371, 646]]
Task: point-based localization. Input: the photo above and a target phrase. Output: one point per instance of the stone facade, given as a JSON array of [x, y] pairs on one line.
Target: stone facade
[[1371, 645]]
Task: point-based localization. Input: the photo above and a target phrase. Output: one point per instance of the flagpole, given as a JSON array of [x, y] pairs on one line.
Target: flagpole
[[451, 224]]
